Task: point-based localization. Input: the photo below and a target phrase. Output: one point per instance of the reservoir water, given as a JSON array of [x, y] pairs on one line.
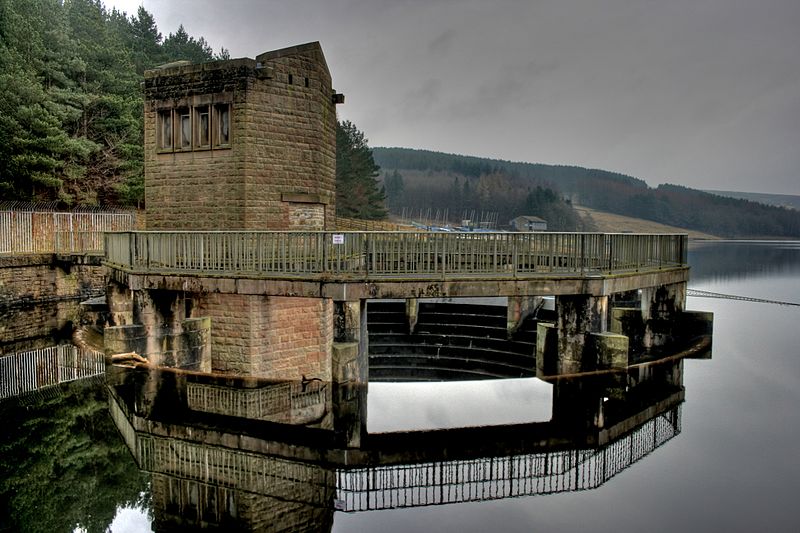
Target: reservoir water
[[723, 459]]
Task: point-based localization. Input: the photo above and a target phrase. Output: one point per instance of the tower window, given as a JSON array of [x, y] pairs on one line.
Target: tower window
[[202, 120], [184, 129], [222, 124], [164, 130]]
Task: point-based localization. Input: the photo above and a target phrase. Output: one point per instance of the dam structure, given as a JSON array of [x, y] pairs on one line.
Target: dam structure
[[242, 270]]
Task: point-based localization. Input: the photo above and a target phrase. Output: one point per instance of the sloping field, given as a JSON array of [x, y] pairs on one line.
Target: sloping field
[[609, 222]]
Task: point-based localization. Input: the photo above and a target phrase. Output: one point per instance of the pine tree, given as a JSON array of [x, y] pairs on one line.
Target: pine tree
[[357, 192]]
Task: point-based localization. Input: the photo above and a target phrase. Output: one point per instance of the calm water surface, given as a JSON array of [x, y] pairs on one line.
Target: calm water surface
[[734, 465]]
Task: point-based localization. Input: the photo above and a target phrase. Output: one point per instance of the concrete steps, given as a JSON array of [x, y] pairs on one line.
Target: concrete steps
[[450, 342]]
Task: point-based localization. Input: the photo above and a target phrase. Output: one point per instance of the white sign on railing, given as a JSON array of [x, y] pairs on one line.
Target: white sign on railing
[[337, 238]]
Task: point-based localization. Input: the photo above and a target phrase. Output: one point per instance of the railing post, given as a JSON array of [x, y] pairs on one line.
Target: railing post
[[369, 263], [514, 254], [444, 255], [684, 250], [131, 249], [583, 252]]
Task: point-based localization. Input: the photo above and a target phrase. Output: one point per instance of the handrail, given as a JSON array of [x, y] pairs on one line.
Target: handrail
[[386, 254]]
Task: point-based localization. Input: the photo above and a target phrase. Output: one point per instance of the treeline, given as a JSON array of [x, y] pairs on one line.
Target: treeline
[[598, 189], [460, 184], [569, 177], [71, 109]]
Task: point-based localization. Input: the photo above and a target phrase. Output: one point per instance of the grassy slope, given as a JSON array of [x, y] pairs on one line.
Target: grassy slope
[[609, 222]]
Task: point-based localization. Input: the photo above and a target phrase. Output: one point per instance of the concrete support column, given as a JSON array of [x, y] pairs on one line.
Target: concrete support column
[[610, 349], [162, 314], [578, 315], [412, 313], [350, 371], [660, 306], [520, 308], [196, 344], [350, 341], [120, 304], [546, 349], [124, 339]]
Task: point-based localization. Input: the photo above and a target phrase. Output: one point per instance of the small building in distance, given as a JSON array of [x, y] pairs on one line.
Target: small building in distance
[[528, 223]]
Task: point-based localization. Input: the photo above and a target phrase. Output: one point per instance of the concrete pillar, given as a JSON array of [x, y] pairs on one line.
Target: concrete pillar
[[196, 345], [162, 313], [350, 371], [520, 308], [628, 321], [125, 339], [350, 324], [546, 349], [660, 307], [578, 315], [120, 304], [412, 313], [610, 349]]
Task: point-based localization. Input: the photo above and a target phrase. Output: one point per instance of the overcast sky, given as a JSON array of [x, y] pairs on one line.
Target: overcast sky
[[703, 93]]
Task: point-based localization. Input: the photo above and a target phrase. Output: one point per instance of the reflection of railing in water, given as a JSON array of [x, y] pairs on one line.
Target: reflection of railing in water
[[270, 476], [33, 370], [264, 403], [390, 487], [373, 254]]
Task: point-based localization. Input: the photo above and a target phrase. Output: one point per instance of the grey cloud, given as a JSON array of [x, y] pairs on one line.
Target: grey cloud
[[696, 93]]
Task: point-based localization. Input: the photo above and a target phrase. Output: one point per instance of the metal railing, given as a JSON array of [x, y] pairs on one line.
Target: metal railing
[[36, 369], [47, 232], [392, 254], [443, 482], [277, 402]]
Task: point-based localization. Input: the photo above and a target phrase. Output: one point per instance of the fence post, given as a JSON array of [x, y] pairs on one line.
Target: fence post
[[131, 248]]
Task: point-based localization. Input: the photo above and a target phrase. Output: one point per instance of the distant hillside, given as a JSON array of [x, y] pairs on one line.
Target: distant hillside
[[779, 200], [447, 175], [611, 223]]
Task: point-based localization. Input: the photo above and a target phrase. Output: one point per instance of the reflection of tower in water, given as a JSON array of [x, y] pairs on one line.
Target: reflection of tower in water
[[254, 455]]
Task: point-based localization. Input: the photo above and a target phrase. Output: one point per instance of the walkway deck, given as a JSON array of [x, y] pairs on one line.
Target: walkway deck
[[395, 264]]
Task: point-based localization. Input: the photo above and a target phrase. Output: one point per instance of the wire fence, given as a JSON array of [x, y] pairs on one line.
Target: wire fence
[[35, 370], [24, 231]]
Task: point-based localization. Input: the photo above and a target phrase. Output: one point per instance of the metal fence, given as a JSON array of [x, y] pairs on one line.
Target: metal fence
[[393, 254], [437, 483], [276, 402], [32, 232], [31, 371]]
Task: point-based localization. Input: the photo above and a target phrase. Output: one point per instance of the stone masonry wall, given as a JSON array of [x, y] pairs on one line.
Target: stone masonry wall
[[275, 337], [291, 127], [33, 279], [195, 189], [39, 296], [281, 152], [36, 326]]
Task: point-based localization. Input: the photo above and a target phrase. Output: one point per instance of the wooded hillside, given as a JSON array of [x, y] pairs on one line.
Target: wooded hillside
[[503, 185], [70, 103]]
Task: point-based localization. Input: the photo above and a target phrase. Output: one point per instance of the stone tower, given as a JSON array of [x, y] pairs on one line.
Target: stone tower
[[241, 144]]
